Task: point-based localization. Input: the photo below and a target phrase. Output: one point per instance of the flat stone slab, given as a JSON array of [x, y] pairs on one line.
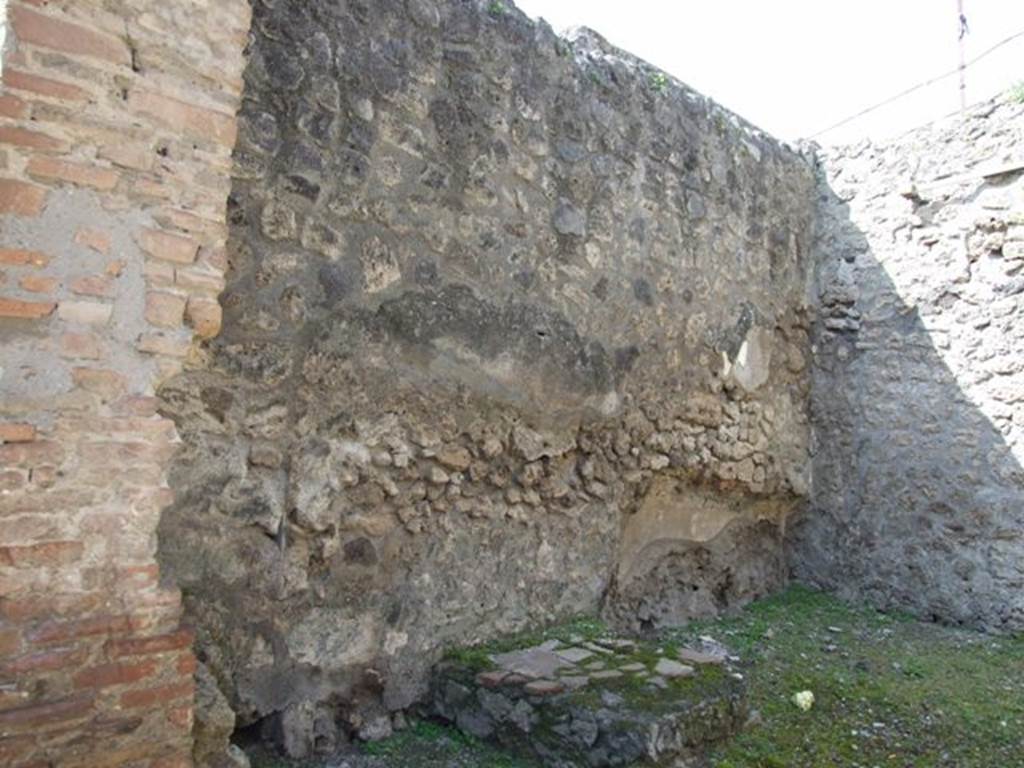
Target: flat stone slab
[[574, 655], [669, 668], [536, 663], [546, 701], [691, 656], [543, 687]]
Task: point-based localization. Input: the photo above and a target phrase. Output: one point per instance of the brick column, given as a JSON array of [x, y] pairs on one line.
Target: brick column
[[116, 131]]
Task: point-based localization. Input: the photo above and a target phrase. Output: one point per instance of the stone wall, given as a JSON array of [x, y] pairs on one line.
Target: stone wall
[[918, 404], [116, 128], [515, 328]]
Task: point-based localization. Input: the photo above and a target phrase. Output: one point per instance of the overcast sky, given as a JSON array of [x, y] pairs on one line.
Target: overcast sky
[[794, 67]]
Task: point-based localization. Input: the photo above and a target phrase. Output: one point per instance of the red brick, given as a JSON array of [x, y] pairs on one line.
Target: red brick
[[86, 312], [67, 37], [147, 187], [167, 246], [143, 646], [107, 675], [158, 274], [12, 106], [38, 284], [164, 693], [158, 344], [21, 198], [22, 137], [39, 607], [187, 664], [199, 279], [12, 480], [63, 631], [96, 239], [81, 175], [137, 405], [17, 433], [182, 760], [31, 454], [14, 749], [128, 579], [216, 257], [46, 661], [47, 713], [181, 717], [46, 554], [164, 310], [102, 453], [93, 285], [86, 346], [27, 310], [22, 529], [136, 755], [129, 156], [196, 121], [204, 316], [164, 599], [44, 86], [191, 222], [10, 642], [21, 258], [44, 477], [106, 383]]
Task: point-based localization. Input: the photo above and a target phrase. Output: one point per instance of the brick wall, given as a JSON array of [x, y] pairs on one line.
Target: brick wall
[[117, 121]]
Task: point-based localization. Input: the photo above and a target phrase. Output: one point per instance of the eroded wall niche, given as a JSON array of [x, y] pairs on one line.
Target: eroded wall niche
[[515, 328]]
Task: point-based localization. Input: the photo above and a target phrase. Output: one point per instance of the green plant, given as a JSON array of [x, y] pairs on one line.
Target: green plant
[[1016, 92], [658, 81], [497, 8]]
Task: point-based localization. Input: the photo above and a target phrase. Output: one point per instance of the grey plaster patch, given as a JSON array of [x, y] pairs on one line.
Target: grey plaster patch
[[34, 370]]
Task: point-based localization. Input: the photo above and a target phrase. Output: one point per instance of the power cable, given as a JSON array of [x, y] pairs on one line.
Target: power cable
[[919, 86]]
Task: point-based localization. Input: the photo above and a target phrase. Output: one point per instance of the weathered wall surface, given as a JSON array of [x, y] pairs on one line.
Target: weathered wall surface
[[918, 405], [514, 325], [117, 121]]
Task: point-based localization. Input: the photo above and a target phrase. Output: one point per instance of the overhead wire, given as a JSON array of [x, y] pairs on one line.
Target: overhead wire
[[919, 86]]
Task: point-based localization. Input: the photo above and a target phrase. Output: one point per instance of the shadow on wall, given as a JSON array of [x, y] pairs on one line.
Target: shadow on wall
[[918, 499]]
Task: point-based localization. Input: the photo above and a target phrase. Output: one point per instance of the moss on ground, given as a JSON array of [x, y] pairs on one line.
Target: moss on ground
[[433, 744], [424, 744], [890, 692]]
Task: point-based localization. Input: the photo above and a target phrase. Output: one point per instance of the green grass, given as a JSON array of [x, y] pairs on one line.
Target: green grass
[[889, 691]]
